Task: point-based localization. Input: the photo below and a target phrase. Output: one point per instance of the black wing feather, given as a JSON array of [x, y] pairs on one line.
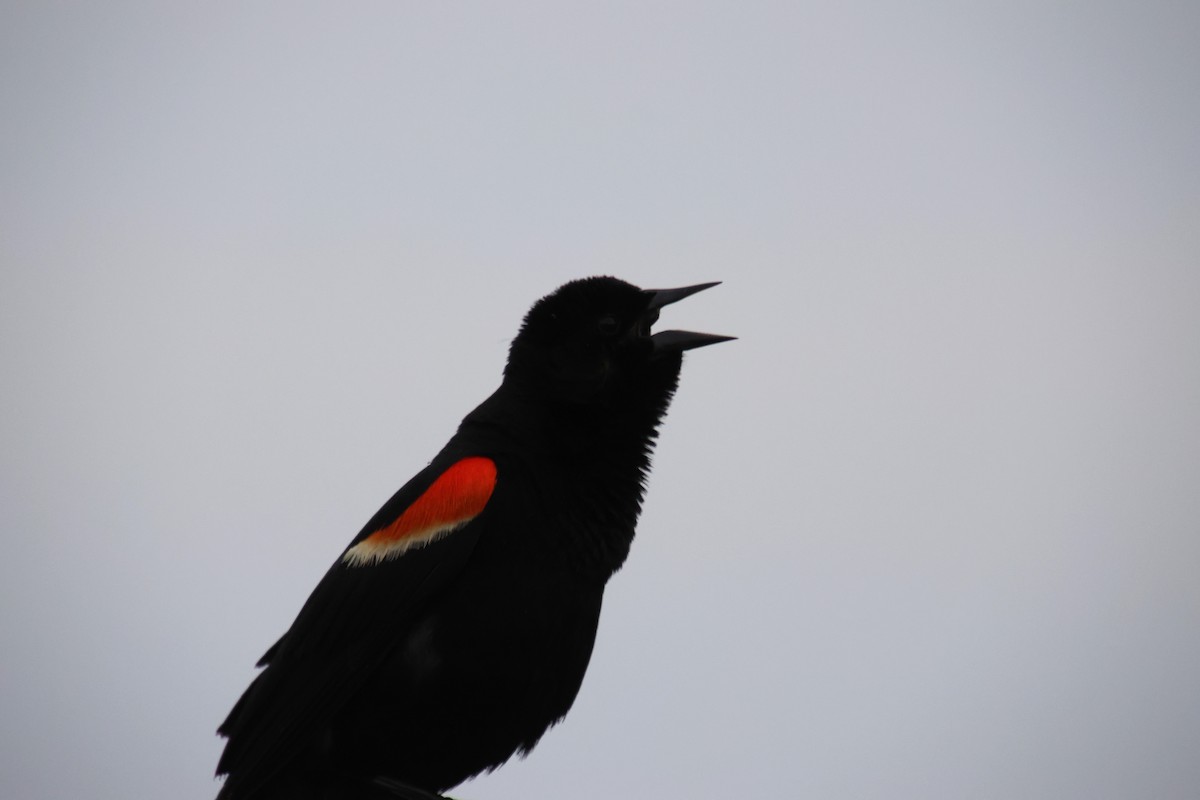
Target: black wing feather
[[341, 636]]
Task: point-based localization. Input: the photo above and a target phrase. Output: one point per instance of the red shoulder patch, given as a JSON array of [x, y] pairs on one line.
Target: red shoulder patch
[[451, 501]]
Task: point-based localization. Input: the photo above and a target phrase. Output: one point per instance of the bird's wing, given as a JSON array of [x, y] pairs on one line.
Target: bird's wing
[[415, 544]]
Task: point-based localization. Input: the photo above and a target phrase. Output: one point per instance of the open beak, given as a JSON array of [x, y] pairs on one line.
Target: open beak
[[666, 342]]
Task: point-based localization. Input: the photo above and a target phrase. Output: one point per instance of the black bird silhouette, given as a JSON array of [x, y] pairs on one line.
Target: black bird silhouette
[[456, 628]]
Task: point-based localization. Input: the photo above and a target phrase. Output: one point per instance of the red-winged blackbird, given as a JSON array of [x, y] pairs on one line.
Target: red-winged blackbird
[[457, 626]]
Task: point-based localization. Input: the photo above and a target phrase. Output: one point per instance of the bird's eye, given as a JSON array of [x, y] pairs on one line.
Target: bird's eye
[[608, 325]]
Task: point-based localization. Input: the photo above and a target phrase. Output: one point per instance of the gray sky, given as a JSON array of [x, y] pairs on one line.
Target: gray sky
[[929, 529]]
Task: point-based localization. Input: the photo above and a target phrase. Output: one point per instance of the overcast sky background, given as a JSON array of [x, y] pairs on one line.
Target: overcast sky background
[[929, 529]]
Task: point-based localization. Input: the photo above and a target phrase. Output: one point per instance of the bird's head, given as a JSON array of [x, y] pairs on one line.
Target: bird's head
[[591, 341]]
